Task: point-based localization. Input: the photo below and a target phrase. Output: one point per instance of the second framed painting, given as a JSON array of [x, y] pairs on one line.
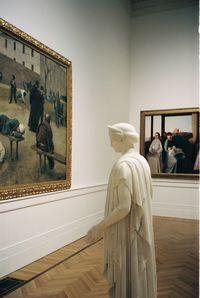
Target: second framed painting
[[35, 116], [170, 142]]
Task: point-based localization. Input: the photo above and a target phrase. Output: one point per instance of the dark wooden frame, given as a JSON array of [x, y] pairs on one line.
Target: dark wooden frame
[[164, 114]]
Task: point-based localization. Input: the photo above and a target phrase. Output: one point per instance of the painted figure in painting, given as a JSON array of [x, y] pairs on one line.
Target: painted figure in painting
[[183, 152], [129, 256], [170, 159], [11, 127], [42, 102], [36, 107], [154, 155], [29, 72], [44, 138], [13, 90], [197, 163], [2, 153], [174, 155]]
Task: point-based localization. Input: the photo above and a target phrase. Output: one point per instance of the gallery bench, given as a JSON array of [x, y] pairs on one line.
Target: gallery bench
[[12, 140], [55, 156]]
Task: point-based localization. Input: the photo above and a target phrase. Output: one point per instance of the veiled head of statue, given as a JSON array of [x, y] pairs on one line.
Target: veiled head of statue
[[123, 131]]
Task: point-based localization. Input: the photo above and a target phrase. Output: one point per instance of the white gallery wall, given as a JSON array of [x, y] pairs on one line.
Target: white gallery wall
[[109, 77], [165, 75], [96, 37]]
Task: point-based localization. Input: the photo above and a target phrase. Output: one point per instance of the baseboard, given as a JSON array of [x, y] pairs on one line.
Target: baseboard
[[175, 210], [29, 250], [76, 211], [38, 225]]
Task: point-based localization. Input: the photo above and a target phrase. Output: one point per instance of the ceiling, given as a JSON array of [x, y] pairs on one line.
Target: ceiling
[[143, 7]]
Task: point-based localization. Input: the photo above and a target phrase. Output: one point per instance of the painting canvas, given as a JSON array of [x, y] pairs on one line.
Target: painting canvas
[[35, 99], [170, 142]]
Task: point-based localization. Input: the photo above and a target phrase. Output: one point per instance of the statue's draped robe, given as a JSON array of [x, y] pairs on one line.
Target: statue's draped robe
[[129, 244]]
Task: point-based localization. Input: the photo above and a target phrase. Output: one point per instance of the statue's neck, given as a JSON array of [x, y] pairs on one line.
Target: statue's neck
[[127, 149]]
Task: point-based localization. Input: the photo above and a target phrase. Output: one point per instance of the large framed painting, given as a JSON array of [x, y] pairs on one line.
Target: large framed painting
[[35, 116], [170, 142]]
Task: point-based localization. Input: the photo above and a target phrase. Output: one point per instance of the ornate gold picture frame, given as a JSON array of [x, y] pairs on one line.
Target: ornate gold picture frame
[[170, 142], [35, 116]]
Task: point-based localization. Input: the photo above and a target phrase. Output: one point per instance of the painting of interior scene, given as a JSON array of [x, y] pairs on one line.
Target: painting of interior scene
[[172, 143], [33, 112]]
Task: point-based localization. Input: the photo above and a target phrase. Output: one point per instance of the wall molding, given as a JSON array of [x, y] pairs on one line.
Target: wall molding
[[44, 239], [28, 247], [176, 198], [25, 252], [24, 202], [27, 202], [184, 211], [175, 183]]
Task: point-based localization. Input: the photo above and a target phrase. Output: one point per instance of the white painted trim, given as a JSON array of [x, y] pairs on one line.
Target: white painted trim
[[176, 198], [24, 202], [46, 237], [22, 253], [175, 210], [30, 246], [176, 183]]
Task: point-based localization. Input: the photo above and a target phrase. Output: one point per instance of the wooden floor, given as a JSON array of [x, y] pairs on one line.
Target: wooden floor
[[76, 271]]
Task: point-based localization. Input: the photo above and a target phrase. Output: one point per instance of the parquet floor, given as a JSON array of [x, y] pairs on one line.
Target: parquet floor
[[80, 275]]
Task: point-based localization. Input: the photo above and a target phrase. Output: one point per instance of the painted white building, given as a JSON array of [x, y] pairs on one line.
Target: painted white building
[[20, 53]]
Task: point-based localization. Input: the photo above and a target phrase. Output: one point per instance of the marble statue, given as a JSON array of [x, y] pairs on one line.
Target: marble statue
[[127, 228]]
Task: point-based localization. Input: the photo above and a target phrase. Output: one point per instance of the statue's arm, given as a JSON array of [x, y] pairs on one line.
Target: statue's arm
[[121, 211]]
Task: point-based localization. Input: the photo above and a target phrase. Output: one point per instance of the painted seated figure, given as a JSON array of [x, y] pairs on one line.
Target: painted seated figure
[[44, 138]]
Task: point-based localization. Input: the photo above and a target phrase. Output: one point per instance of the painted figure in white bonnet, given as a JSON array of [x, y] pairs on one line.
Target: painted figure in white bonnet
[[129, 254]]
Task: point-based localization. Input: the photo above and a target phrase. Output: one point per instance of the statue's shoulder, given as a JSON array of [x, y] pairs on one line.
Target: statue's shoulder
[[133, 160], [122, 170]]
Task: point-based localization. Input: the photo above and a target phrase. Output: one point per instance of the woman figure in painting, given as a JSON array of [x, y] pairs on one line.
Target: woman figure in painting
[[170, 159], [129, 255], [154, 154]]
